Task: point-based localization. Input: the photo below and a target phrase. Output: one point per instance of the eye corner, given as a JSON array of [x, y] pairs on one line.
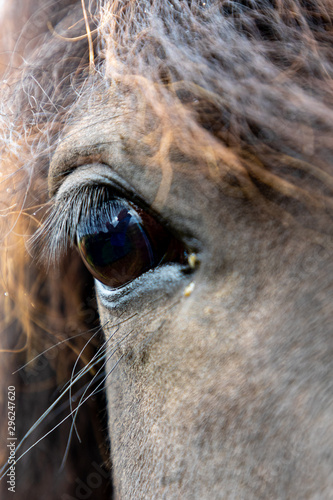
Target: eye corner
[[193, 260]]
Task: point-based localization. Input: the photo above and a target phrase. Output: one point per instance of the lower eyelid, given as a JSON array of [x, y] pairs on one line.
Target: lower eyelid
[[156, 284]]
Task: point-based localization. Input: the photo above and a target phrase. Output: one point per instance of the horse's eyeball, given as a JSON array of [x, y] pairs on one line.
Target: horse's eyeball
[[118, 242]]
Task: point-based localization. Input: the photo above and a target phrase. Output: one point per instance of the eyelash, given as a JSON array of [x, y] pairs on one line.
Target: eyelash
[[58, 231]]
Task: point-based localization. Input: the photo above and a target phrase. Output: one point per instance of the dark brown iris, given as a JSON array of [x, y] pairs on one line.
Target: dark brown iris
[[118, 243]]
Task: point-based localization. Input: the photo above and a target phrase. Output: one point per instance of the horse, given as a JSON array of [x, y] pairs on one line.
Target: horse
[[166, 249]]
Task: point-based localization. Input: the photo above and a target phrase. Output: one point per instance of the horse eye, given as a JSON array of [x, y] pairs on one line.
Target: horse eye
[[118, 242]]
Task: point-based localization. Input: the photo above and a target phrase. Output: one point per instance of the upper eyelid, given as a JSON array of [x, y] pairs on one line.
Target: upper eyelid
[[96, 174], [81, 189], [91, 174]]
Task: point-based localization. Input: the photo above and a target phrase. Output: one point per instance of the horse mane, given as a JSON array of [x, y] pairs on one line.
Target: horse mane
[[241, 88]]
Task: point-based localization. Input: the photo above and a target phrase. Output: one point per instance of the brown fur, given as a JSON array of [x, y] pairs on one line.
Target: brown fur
[[220, 108]]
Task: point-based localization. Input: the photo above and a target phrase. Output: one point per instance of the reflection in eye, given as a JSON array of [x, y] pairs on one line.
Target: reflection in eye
[[118, 243]]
